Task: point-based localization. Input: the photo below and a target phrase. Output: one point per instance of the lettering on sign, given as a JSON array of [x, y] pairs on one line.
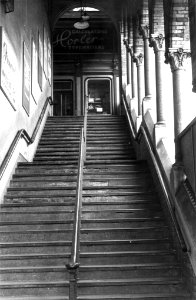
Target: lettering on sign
[[94, 40]]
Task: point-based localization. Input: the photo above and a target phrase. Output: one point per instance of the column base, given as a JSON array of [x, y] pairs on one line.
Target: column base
[[146, 104], [138, 122], [159, 132]]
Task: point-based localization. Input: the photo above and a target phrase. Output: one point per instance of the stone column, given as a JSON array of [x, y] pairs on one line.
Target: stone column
[[138, 59], [144, 31], [157, 42], [178, 59], [133, 74], [133, 105], [128, 63]]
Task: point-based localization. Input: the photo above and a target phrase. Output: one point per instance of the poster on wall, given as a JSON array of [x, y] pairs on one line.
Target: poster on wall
[[8, 69], [35, 90], [49, 61], [40, 61], [45, 54], [26, 79]]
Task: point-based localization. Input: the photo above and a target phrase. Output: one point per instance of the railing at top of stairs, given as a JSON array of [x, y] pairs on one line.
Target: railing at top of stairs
[[73, 265], [22, 133], [157, 165]]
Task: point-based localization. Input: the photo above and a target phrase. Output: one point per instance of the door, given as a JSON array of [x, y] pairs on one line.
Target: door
[[99, 92], [63, 98]]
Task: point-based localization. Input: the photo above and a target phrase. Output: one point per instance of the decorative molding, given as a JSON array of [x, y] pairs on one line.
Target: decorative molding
[[144, 31], [177, 58], [157, 42], [138, 59]]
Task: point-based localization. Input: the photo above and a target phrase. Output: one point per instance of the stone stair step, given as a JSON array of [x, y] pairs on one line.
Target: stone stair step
[[145, 285], [36, 298], [42, 288], [122, 222], [123, 257], [36, 247], [130, 271], [124, 233], [35, 235], [143, 244], [32, 199], [34, 259], [138, 296], [36, 215], [36, 274]]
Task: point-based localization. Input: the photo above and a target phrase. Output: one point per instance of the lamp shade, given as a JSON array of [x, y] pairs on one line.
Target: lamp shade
[[81, 24]]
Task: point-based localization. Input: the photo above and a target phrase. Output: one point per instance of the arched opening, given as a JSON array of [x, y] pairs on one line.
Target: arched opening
[[78, 54]]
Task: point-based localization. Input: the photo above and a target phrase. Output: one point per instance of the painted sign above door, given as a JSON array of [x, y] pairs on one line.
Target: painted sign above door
[[84, 41]]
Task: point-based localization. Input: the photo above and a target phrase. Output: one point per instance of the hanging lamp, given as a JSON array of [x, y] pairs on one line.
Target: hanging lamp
[[84, 17]]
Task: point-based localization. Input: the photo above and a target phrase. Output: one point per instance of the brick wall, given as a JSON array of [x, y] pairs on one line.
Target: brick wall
[[179, 26]]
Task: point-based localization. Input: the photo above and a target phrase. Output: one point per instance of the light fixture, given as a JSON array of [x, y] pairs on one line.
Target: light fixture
[[81, 24], [84, 17]]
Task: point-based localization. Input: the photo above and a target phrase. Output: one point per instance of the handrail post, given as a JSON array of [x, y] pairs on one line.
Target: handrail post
[[73, 279], [85, 124]]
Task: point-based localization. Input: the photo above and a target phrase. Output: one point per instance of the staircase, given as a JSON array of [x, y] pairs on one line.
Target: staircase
[[126, 249]]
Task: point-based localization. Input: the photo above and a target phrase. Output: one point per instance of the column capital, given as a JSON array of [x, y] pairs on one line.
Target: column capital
[[144, 31], [157, 42], [138, 58], [177, 58]]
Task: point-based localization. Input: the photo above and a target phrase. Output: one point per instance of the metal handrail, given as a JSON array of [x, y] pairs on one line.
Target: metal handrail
[[74, 262], [157, 167], [73, 265], [128, 115], [85, 123], [22, 133]]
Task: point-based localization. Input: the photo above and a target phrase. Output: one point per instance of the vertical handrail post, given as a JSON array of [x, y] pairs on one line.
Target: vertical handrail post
[[85, 124]]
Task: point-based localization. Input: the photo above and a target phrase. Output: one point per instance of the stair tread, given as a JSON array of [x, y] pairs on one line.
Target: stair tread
[[135, 296], [35, 298], [92, 242], [24, 283], [88, 267], [141, 280]]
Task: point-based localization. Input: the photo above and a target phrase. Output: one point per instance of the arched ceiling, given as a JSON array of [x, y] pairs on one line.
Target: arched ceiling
[[111, 8]]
